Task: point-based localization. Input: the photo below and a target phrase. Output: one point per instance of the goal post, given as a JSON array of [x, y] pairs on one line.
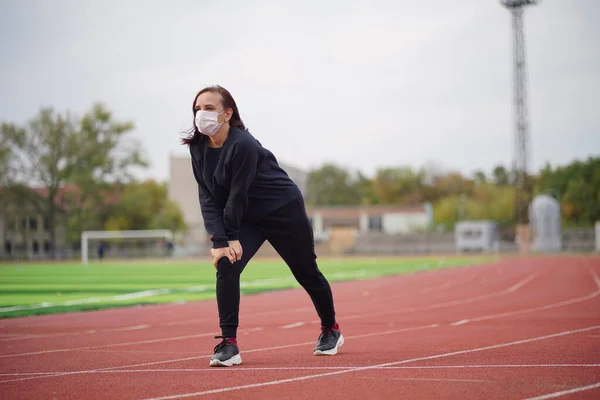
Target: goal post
[[129, 234]]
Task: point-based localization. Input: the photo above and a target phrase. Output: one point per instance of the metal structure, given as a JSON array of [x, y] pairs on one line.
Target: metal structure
[[132, 234], [521, 161]]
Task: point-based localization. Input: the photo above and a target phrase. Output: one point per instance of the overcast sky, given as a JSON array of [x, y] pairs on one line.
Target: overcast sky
[[360, 83]]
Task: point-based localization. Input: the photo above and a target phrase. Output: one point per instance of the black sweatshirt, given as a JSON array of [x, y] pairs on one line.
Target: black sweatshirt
[[239, 181]]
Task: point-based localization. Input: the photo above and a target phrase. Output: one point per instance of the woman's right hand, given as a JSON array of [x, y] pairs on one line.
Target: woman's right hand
[[222, 252]]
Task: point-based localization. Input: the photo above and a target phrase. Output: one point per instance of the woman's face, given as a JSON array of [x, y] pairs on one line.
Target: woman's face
[[211, 101]]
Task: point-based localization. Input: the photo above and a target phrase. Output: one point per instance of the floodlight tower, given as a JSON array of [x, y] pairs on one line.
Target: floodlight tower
[[521, 160]]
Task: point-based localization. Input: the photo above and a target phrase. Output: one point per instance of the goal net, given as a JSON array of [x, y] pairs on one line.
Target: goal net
[[126, 244]]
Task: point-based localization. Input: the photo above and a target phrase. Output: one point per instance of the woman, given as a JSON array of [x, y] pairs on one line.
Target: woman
[[246, 198]]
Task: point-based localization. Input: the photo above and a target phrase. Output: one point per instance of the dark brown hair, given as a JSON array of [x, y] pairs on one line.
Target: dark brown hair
[[227, 102]]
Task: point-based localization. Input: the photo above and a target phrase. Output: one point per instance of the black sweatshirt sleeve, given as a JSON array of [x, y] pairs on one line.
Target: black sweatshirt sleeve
[[211, 212], [244, 163]]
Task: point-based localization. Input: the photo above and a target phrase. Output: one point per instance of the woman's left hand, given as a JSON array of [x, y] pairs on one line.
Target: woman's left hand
[[236, 246]]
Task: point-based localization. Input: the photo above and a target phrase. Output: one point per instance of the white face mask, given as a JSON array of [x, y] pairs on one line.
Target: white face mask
[[207, 122]]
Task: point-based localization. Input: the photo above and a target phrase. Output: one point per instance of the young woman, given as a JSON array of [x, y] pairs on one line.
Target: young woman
[[246, 198]]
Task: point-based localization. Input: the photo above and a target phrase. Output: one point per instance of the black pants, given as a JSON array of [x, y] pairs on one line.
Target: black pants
[[290, 233]]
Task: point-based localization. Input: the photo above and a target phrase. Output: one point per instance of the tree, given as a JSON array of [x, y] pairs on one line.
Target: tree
[[331, 185], [488, 202], [145, 205], [54, 150], [577, 186], [6, 162], [364, 186], [479, 178], [400, 185], [453, 183], [501, 176]]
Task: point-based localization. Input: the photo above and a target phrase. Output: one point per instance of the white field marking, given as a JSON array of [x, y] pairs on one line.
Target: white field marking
[[157, 292], [30, 373], [208, 356], [496, 366], [566, 392], [451, 303], [344, 371], [255, 314], [294, 325], [193, 321], [236, 369], [73, 333], [120, 297], [539, 308], [429, 379], [121, 351], [197, 335]]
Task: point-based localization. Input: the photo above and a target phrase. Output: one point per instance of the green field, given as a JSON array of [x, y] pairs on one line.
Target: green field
[[33, 289]]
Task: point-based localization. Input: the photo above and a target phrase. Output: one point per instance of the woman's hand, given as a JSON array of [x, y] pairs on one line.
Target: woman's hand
[[222, 252], [237, 249]]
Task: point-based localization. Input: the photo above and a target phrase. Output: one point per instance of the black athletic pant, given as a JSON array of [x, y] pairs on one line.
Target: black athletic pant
[[289, 231]]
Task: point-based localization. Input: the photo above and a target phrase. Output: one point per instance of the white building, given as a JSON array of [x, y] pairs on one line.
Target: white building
[[389, 220], [476, 236]]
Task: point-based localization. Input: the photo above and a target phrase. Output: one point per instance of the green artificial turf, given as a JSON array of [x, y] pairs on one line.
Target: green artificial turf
[[33, 289]]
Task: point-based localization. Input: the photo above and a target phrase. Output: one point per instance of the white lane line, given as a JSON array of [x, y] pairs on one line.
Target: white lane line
[[119, 297], [451, 303], [566, 392], [236, 369], [74, 333], [539, 308], [437, 305], [30, 373], [198, 335], [294, 325], [314, 376], [409, 329], [497, 366], [516, 287], [22, 336], [429, 379]]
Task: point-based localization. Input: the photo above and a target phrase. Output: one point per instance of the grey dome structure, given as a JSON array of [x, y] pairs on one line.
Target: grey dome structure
[[544, 214]]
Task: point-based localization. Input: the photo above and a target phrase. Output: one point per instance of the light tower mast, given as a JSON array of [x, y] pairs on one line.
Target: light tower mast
[[521, 160]]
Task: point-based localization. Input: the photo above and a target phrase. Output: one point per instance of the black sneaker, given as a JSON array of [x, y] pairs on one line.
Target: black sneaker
[[226, 354], [329, 341]]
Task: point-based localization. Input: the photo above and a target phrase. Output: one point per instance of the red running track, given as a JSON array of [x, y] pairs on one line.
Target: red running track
[[521, 328]]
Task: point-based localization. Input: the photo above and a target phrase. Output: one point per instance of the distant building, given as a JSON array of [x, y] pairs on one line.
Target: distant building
[[24, 232], [389, 220], [480, 235]]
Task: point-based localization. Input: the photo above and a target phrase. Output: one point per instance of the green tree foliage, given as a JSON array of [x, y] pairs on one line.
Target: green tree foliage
[[455, 196], [501, 176], [577, 186], [332, 185], [145, 205], [6, 163], [400, 185], [54, 150], [479, 178]]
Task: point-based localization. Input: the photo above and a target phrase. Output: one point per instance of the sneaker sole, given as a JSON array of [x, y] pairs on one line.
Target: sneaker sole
[[235, 360], [331, 352]]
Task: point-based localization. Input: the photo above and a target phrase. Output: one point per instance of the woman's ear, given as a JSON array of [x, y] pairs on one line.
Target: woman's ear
[[228, 114]]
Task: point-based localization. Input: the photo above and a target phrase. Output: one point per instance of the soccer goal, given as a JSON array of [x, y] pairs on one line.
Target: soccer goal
[[88, 236]]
